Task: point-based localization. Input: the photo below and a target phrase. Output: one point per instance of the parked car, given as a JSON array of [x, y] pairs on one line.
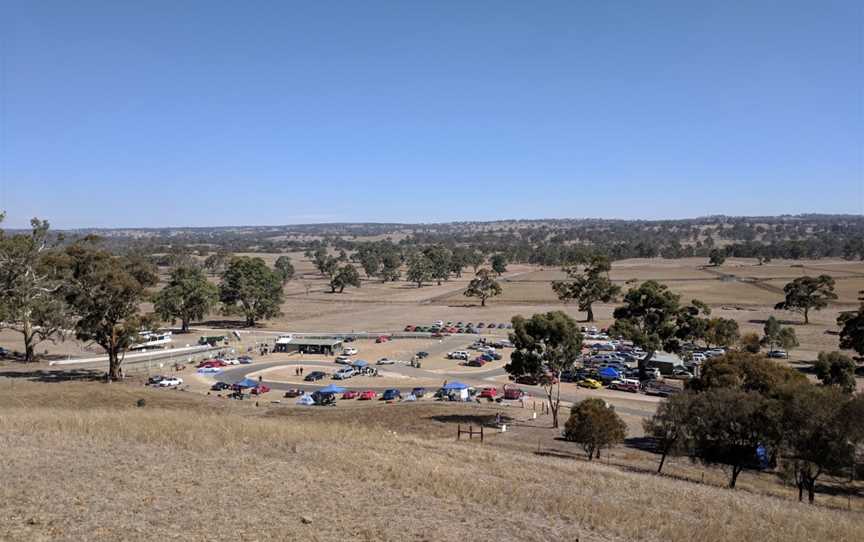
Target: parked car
[[418, 392], [489, 393], [477, 362], [367, 395], [409, 329], [170, 382], [211, 363], [480, 325], [422, 355], [528, 380], [513, 394], [385, 361], [231, 361], [244, 360], [350, 394], [391, 395], [350, 351], [382, 339], [220, 386], [659, 390], [778, 354], [293, 392], [314, 376], [260, 389], [343, 360], [155, 380], [589, 383], [322, 399], [343, 373], [625, 385]]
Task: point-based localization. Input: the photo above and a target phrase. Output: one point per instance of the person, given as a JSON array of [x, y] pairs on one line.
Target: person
[[301, 371], [498, 419]]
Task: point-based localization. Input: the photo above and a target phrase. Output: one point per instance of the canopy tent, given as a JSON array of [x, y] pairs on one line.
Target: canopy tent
[[359, 363], [609, 372], [455, 386], [305, 400], [246, 383], [332, 388]]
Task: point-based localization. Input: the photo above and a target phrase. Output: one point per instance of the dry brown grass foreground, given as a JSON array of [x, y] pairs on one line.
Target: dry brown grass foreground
[[81, 462]]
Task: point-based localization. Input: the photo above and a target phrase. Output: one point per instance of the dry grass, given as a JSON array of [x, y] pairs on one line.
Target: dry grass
[[115, 472]]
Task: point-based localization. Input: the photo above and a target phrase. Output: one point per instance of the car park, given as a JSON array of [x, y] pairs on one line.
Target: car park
[[314, 376], [367, 395], [343, 373], [391, 395]]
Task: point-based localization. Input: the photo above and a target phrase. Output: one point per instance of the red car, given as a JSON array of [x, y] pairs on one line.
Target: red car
[[212, 363], [409, 328], [382, 339], [513, 394], [477, 362], [367, 395], [260, 389], [489, 393], [350, 394], [293, 392]]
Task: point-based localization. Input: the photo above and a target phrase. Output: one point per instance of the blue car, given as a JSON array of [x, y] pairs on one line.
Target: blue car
[[391, 395]]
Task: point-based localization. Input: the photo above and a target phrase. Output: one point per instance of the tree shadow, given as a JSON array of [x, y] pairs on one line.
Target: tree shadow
[[84, 375], [226, 324], [471, 419], [645, 444], [781, 322]]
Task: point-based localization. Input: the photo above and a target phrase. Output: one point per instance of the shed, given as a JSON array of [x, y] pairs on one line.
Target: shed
[[310, 345]]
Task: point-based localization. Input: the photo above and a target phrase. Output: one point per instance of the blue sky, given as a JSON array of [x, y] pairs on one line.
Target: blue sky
[[207, 113]]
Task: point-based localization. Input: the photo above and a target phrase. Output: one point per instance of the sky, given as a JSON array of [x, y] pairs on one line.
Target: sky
[[167, 113]]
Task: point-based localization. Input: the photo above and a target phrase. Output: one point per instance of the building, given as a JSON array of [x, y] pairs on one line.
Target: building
[[304, 345]]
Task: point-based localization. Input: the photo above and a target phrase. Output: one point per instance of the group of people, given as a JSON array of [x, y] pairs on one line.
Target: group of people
[[298, 371]]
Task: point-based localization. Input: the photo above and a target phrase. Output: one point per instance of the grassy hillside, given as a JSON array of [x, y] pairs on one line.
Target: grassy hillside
[[88, 464]]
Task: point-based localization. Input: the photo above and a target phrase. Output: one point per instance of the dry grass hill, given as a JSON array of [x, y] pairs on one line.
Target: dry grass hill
[[81, 461]]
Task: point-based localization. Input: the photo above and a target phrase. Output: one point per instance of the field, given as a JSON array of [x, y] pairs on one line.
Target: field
[[186, 467]]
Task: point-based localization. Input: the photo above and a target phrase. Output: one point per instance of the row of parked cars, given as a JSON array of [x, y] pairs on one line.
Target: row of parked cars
[[456, 327], [393, 394]]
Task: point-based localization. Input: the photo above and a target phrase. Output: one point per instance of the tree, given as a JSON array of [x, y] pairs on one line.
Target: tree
[[439, 260], [30, 300], [816, 436], [728, 425], [419, 269], [748, 372], [346, 275], [483, 286], [668, 426], [215, 263], [544, 346], [807, 293], [105, 292], [499, 264], [285, 268], [778, 336], [852, 329], [321, 260], [475, 259], [589, 287], [750, 343], [722, 332], [836, 369], [390, 265], [716, 257], [251, 286], [371, 262], [595, 426], [187, 297], [649, 319]]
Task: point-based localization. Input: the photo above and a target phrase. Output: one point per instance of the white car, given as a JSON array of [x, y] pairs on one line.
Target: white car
[[439, 323], [350, 351], [170, 382], [343, 373], [343, 360], [232, 361], [385, 361]]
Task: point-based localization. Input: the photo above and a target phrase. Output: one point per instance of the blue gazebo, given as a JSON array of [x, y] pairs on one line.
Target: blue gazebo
[[332, 388]]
